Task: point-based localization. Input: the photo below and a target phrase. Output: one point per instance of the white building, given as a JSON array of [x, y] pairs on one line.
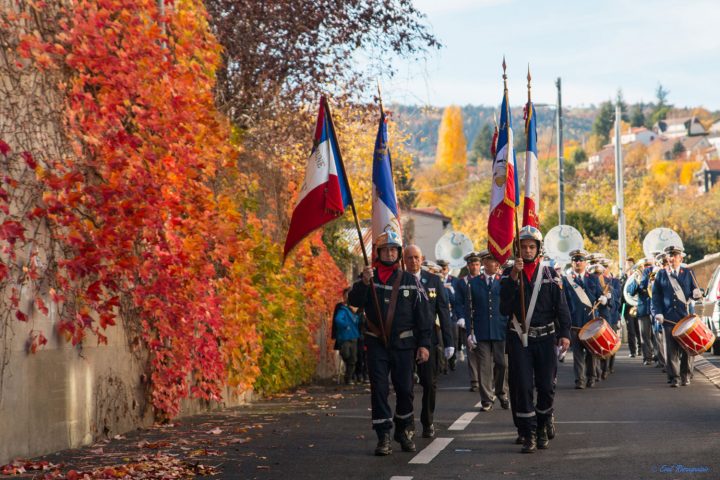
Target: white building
[[424, 227], [679, 127]]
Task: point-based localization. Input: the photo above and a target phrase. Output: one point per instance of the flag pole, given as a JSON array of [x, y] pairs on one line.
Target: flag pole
[[382, 116], [376, 302], [517, 229]]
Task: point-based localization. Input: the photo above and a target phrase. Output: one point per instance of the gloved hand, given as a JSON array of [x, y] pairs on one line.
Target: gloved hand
[[637, 276], [603, 300], [659, 318], [449, 351], [461, 322], [471, 342], [697, 294], [608, 295]]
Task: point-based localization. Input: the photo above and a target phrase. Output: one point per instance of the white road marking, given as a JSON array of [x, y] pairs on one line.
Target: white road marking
[[463, 421], [431, 451], [478, 404], [396, 477]]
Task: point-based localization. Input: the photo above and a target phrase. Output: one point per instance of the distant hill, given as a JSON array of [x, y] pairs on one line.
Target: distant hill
[[423, 122]]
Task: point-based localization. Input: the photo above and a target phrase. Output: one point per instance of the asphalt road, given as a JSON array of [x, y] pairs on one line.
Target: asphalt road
[[630, 426]]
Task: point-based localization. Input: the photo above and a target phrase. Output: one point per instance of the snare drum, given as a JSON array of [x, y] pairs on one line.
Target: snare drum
[[693, 335], [599, 337]]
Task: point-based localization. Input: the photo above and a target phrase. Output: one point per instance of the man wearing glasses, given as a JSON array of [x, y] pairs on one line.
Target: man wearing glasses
[[582, 290]]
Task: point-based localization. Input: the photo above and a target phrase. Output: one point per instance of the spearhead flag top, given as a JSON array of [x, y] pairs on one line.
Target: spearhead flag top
[[325, 192], [504, 197], [385, 213], [531, 205]]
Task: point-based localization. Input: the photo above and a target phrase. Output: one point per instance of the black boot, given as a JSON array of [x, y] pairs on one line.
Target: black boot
[[542, 438], [550, 427], [529, 444], [384, 447]]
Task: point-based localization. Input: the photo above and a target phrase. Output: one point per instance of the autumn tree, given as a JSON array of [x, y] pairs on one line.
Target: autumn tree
[[452, 146]]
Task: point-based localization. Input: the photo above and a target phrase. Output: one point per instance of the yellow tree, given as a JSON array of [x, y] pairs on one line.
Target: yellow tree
[[439, 184]]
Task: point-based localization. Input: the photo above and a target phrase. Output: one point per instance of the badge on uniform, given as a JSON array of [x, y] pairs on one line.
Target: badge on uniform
[[406, 293], [432, 293], [424, 280]]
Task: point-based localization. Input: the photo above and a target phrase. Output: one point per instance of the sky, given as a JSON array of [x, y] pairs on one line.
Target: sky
[[596, 47]]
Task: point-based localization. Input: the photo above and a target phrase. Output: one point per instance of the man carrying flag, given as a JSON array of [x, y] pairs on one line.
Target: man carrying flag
[[399, 329], [325, 192], [531, 296]]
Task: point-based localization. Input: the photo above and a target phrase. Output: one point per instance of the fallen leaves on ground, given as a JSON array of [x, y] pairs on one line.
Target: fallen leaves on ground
[[144, 467]]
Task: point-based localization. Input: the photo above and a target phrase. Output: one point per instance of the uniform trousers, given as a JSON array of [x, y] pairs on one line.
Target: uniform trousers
[[428, 373], [648, 342], [398, 364], [660, 347], [584, 362], [531, 369], [473, 360], [492, 370], [678, 364], [633, 329]]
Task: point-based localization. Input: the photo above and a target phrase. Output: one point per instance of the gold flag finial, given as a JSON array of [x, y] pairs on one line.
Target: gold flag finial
[[529, 78], [379, 90]]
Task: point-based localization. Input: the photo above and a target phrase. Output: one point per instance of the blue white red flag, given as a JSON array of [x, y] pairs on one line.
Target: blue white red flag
[[531, 203], [385, 213], [504, 198], [325, 192]]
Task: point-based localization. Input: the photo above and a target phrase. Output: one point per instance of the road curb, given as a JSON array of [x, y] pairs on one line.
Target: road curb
[[710, 371]]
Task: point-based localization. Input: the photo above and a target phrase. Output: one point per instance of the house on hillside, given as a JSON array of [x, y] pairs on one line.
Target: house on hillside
[[671, 148], [424, 227], [679, 127], [636, 134], [708, 175], [602, 158]]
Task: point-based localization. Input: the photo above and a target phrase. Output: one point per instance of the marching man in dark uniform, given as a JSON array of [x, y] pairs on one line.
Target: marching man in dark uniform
[[487, 334], [437, 309], [450, 283], [531, 347], [393, 346], [464, 308], [607, 365], [639, 286], [581, 291], [673, 293]]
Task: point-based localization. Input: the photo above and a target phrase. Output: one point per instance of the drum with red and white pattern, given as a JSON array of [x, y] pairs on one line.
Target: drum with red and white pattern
[[693, 335], [599, 337]]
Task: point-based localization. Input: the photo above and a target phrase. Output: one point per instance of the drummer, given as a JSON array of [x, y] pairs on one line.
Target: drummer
[[673, 293], [607, 365], [581, 291]]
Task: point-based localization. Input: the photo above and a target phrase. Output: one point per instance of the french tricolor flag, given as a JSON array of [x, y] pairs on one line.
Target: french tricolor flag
[[531, 205], [385, 212], [325, 192]]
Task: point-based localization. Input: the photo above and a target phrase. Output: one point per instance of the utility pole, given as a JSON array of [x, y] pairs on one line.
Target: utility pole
[[560, 153], [619, 195]]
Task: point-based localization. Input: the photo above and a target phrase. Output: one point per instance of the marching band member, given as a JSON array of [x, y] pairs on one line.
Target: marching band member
[[673, 292], [465, 313], [531, 353], [450, 283], [581, 291], [607, 365], [661, 262], [639, 286], [487, 334]]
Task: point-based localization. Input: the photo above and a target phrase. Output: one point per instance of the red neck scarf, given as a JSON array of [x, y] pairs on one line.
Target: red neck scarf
[[384, 272], [530, 268]]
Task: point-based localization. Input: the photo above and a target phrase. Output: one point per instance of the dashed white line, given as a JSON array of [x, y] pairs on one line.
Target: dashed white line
[[463, 421], [396, 477], [431, 451]]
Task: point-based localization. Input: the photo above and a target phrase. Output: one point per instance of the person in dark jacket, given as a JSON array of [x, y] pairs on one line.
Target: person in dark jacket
[[398, 335], [673, 293], [581, 292], [639, 286], [488, 330], [346, 331], [531, 345], [439, 314]]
